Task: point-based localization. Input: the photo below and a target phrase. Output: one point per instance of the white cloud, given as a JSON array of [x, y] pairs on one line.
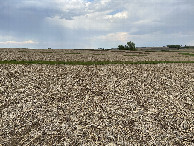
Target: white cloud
[[118, 36], [55, 4], [18, 43], [70, 4], [110, 22], [120, 15], [103, 2]]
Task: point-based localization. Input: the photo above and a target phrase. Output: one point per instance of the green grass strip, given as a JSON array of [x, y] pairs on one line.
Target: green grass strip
[[151, 51], [72, 53], [170, 51], [98, 54], [90, 62], [134, 55], [187, 54], [46, 52]]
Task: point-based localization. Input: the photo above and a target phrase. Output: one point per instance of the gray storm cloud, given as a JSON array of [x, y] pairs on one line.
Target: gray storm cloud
[[59, 24]]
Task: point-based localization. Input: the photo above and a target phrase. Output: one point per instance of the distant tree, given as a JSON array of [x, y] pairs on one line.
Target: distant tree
[[121, 47], [174, 46], [130, 46], [185, 46]]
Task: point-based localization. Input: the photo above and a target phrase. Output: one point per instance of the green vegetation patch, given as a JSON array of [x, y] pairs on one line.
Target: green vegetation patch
[[150, 51], [165, 50], [89, 62], [95, 50], [98, 54], [46, 52], [135, 52], [187, 54], [72, 53], [170, 51], [134, 55], [118, 51]]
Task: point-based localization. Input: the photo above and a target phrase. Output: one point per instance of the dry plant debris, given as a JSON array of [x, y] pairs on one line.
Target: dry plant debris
[[88, 55], [96, 105]]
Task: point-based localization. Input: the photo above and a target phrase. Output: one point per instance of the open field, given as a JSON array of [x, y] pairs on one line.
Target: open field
[[94, 55], [112, 104]]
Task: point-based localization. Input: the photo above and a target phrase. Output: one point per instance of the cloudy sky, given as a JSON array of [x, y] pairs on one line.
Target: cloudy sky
[[95, 23]]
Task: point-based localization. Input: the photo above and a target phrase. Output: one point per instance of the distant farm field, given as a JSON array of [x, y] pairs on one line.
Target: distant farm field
[[125, 98], [94, 55]]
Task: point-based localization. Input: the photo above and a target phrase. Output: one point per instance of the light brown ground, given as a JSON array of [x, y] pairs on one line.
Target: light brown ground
[[87, 55], [96, 105]]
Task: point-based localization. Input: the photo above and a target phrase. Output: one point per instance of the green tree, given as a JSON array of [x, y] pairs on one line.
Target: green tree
[[121, 47], [130, 46]]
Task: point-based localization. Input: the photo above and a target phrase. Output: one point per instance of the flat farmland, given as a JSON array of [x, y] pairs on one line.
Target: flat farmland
[[94, 55], [112, 104]]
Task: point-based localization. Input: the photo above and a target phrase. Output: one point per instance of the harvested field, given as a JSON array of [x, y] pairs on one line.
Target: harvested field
[[89, 55], [147, 104]]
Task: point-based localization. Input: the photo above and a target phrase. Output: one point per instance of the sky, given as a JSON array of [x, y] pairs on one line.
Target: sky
[[90, 24]]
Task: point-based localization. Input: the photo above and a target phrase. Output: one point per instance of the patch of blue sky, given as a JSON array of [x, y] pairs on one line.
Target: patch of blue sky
[[115, 12]]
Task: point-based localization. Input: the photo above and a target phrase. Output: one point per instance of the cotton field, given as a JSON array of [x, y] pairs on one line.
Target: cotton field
[[142, 104]]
